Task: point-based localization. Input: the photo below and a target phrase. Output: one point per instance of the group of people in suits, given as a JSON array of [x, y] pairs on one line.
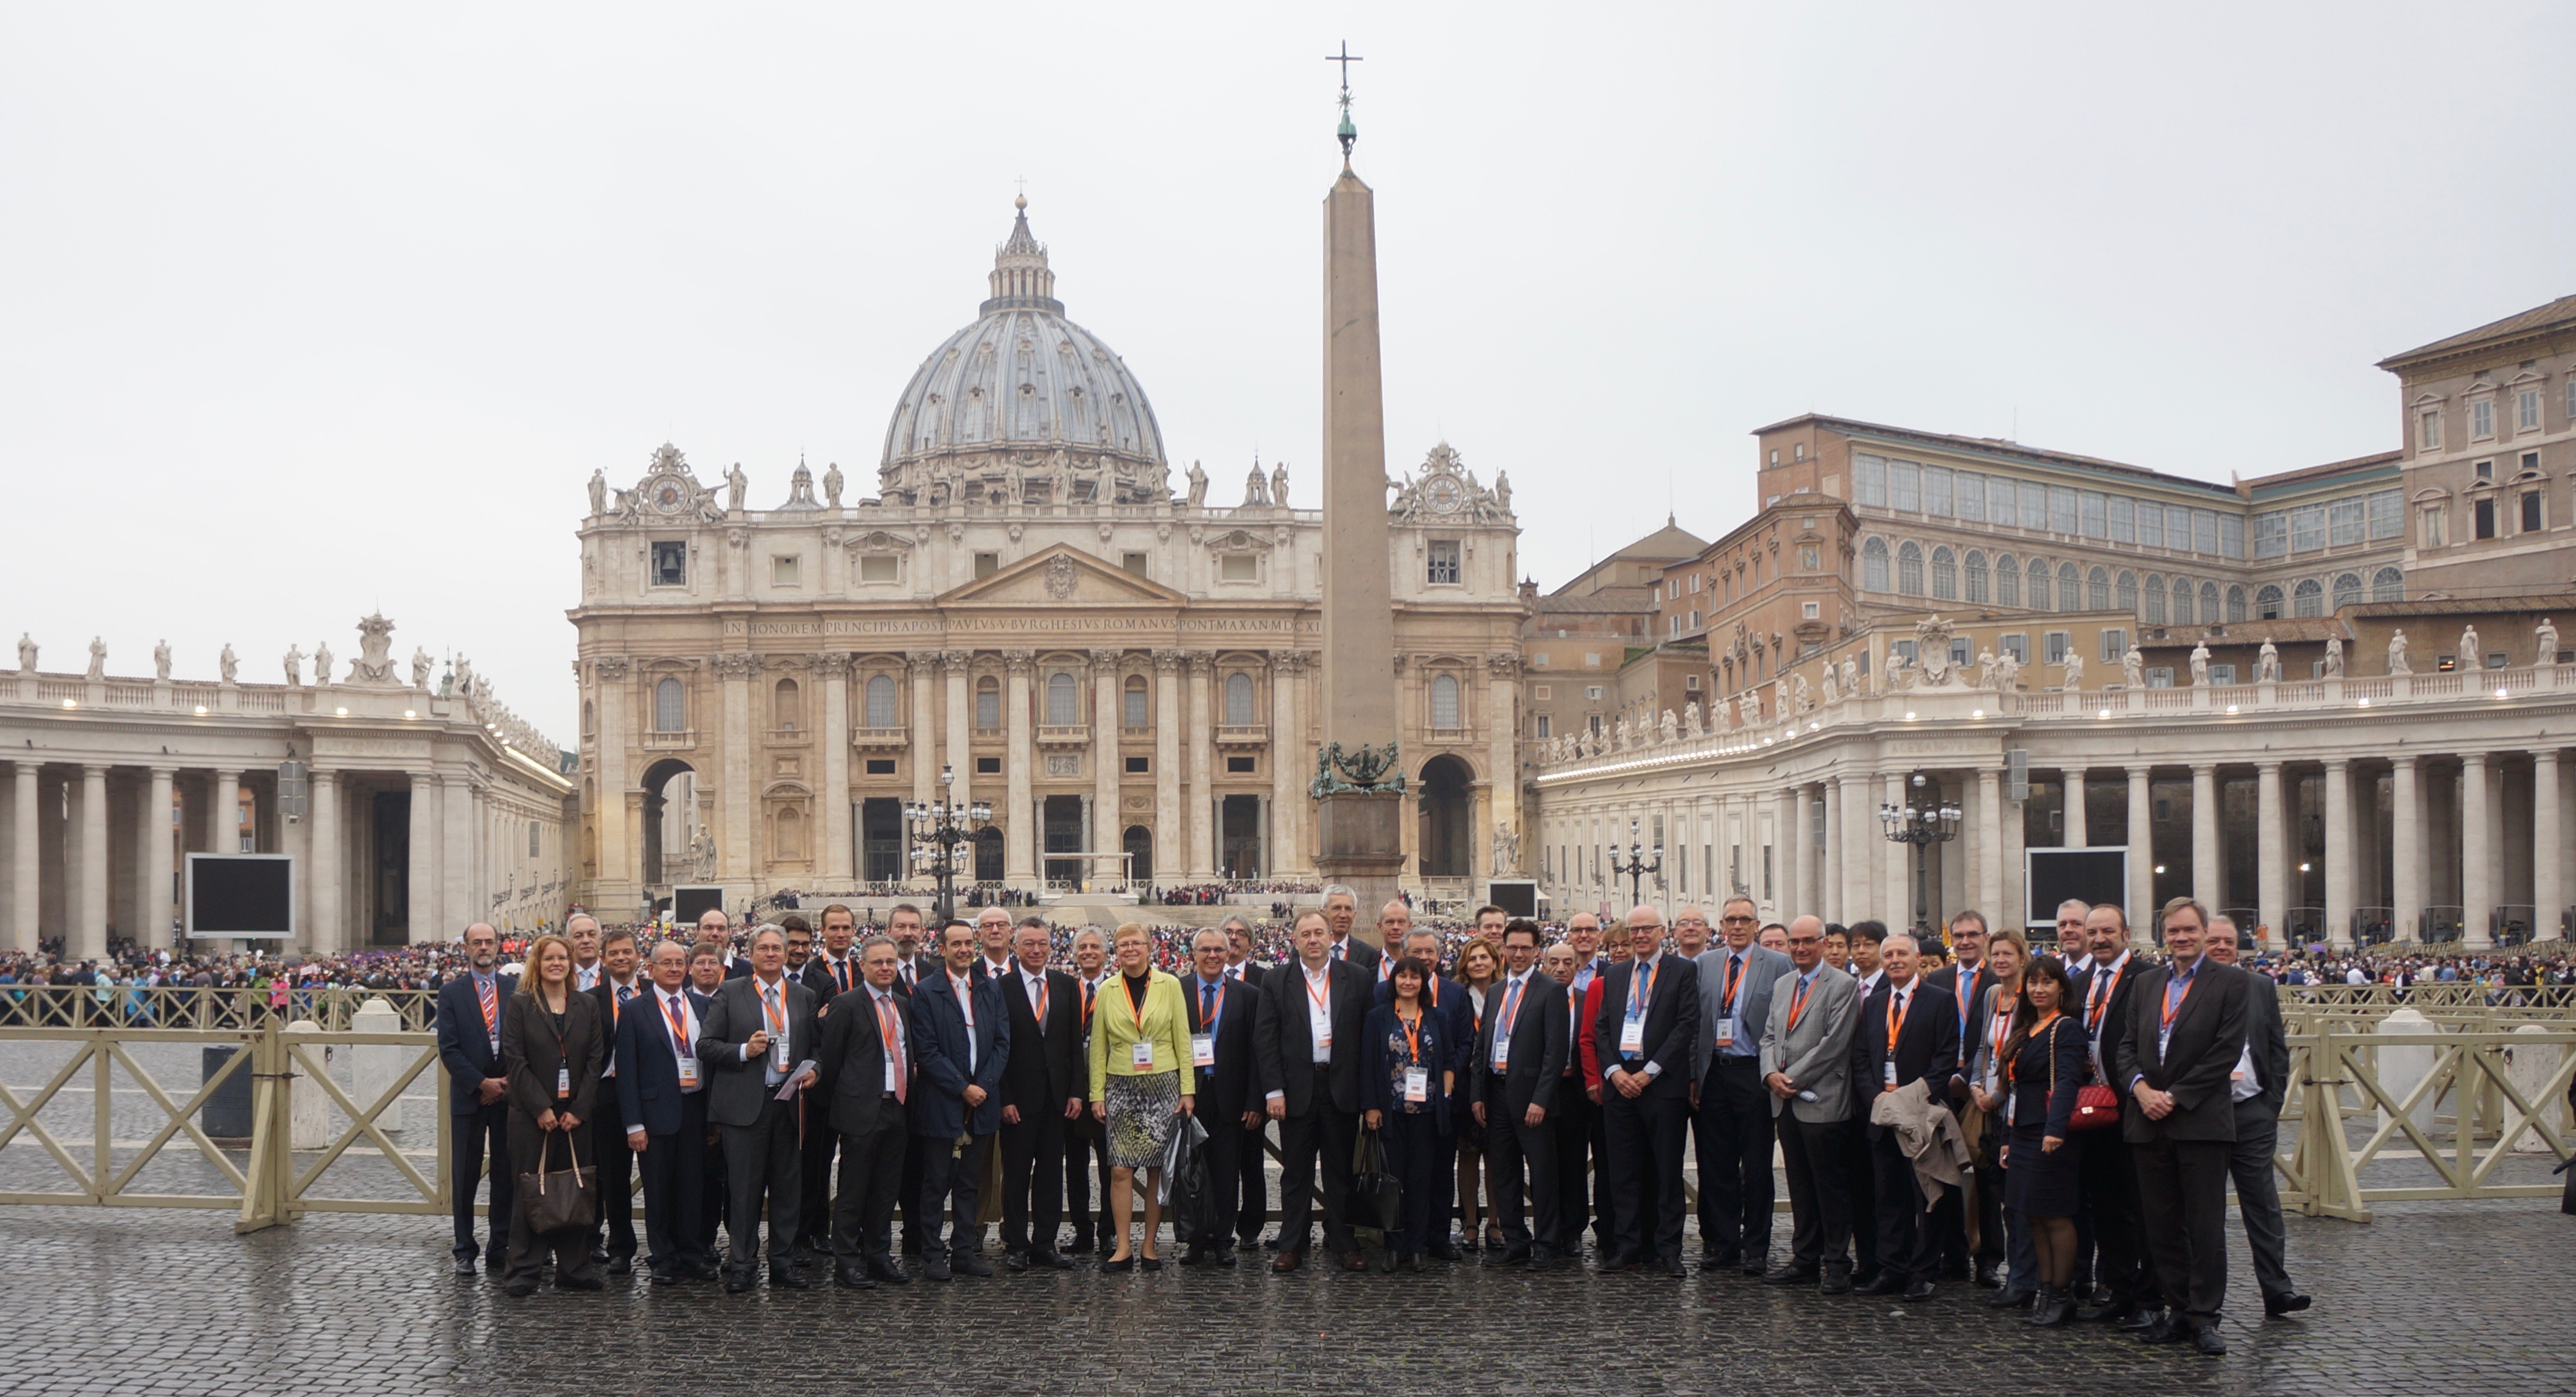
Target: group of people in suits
[[933, 1073]]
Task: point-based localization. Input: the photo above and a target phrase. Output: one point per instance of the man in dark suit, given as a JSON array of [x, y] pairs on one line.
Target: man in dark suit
[[2258, 1087], [2104, 1169], [1222, 1012], [1307, 1040], [1806, 1065], [1647, 1032], [1732, 1125], [1514, 1080], [759, 1029], [1341, 913], [1457, 1012], [715, 929], [619, 982], [1574, 1116], [1963, 983], [1907, 1034], [1042, 1089], [469, 1044], [913, 964], [866, 1081], [2173, 1057], [963, 1038], [661, 1096], [1086, 1141], [1253, 1205], [830, 972]]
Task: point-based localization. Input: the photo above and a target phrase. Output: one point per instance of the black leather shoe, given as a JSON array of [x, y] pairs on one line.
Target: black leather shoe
[[1886, 1283], [2208, 1340], [703, 1270], [1050, 1260], [854, 1277], [935, 1269], [1724, 1258], [1618, 1261], [736, 1284], [789, 1277], [598, 1254], [1149, 1263], [1442, 1251], [1082, 1246], [464, 1266], [1834, 1283], [2009, 1299], [1225, 1257], [1919, 1292], [2107, 1312], [621, 1265], [1540, 1258], [887, 1271], [519, 1290], [972, 1263], [2278, 1305], [1017, 1260], [1511, 1256], [2162, 1331], [666, 1275], [1672, 1266], [1757, 1266], [1987, 1278], [564, 1282], [2141, 1320], [1789, 1275]]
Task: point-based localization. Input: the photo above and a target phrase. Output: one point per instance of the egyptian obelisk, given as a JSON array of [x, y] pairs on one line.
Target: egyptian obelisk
[[1359, 823]]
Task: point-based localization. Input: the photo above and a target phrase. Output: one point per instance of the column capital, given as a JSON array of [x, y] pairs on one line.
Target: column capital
[[2402, 761], [1107, 659], [957, 660], [2267, 766], [1016, 661], [97, 769], [1168, 661], [2334, 764], [1292, 661], [1200, 661], [920, 662], [610, 668], [831, 664], [2197, 768], [2544, 756], [734, 664]]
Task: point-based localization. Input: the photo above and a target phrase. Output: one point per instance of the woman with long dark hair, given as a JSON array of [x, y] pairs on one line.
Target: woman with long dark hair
[[2043, 1060]]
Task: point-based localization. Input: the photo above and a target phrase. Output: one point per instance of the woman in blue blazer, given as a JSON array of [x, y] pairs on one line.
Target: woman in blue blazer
[[1408, 1070]]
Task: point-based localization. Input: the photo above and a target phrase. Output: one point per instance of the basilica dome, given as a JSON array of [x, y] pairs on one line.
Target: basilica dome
[[1023, 393]]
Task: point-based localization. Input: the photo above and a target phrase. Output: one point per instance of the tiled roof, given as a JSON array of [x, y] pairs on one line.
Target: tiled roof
[[2560, 312]]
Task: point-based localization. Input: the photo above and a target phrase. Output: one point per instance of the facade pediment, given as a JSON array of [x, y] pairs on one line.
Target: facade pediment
[[1062, 575]]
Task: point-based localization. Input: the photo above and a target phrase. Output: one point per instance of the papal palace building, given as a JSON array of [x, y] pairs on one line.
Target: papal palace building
[[1124, 671], [2333, 700]]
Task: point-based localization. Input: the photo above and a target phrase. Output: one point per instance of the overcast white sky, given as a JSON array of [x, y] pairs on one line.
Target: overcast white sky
[[308, 310]]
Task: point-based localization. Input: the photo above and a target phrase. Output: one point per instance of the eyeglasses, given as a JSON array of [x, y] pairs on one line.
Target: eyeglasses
[[1737, 921]]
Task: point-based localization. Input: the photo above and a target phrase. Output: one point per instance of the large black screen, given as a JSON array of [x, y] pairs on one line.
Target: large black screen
[[2092, 875], [690, 903], [1517, 897], [230, 895]]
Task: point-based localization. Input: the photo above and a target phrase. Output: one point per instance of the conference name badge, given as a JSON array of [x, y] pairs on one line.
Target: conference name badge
[[1143, 1055], [563, 1079], [1502, 1052], [1203, 1050], [1632, 1036], [1726, 1033], [1417, 1084], [688, 1074], [1887, 1073]]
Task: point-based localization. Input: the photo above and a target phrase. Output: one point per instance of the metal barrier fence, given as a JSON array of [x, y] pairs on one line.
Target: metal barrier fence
[[203, 1009], [2461, 1104]]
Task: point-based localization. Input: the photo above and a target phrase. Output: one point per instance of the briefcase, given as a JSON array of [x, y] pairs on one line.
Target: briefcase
[[558, 1199], [1377, 1197]]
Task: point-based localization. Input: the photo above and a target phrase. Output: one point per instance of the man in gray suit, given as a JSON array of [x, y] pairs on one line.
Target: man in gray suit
[[1731, 1114], [2259, 1085], [1806, 1063], [758, 1028]]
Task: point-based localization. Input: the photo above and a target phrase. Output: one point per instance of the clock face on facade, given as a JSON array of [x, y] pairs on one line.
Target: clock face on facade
[[667, 496], [1443, 494]]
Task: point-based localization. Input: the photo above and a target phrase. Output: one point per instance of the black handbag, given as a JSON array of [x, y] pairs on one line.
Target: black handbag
[[1377, 1197], [1186, 1191], [554, 1201]]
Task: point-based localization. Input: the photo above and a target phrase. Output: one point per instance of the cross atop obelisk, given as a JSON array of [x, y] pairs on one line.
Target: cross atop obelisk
[[1348, 133]]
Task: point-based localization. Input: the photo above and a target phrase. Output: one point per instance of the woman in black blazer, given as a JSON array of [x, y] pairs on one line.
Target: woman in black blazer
[[1405, 1047], [2044, 1068], [551, 1052]]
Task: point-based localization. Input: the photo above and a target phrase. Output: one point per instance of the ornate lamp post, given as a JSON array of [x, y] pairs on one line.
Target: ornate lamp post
[[938, 828], [1922, 821], [1636, 865]]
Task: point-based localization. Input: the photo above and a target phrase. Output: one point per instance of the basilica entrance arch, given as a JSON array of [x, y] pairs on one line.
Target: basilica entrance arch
[[668, 845], [1441, 842]]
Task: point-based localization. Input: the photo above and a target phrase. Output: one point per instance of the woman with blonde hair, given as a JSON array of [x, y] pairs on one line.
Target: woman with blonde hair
[[1480, 968], [1140, 1082]]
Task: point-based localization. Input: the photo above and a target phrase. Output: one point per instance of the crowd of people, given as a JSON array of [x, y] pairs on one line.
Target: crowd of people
[[2055, 1121]]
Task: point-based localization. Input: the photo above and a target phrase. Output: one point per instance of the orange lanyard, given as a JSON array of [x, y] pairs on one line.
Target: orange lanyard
[[1323, 1002], [1999, 1024], [1642, 992], [679, 1018], [777, 1017], [1895, 1016], [1132, 1006], [1798, 1003], [2102, 996], [2012, 1069], [1412, 1033], [1042, 999], [885, 1026], [2174, 1002]]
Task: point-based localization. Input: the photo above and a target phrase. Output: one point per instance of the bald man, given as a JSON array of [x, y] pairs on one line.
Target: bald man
[[1394, 923], [1646, 1035]]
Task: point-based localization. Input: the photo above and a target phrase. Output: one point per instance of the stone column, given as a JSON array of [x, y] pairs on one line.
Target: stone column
[[2548, 888], [420, 872], [1202, 798], [2072, 805], [1290, 762], [615, 879], [1020, 834], [2205, 871], [836, 863], [88, 939], [1990, 846], [2406, 845], [957, 736], [465, 897], [1860, 840], [159, 864], [223, 831], [736, 741], [925, 743], [1801, 892], [2269, 897], [1170, 823], [329, 931], [2340, 859], [25, 870], [2016, 899], [2142, 854], [1833, 877], [1105, 815], [1502, 755], [2477, 852]]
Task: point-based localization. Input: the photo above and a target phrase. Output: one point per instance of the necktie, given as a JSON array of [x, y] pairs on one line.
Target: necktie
[[1088, 990], [894, 1047], [679, 1026], [1207, 1003], [617, 1005], [491, 1006]]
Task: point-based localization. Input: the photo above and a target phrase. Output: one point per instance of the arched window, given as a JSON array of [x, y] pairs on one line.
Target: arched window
[[2038, 585], [1444, 701], [2267, 602], [988, 703], [1873, 565], [1976, 575], [2007, 580], [1238, 699], [667, 714], [2347, 590], [2097, 590], [2388, 584], [2182, 601], [2124, 591], [1909, 569], [2155, 598], [2308, 598], [2070, 587], [880, 702], [2235, 601], [1063, 704], [1135, 717], [589, 716], [1945, 574]]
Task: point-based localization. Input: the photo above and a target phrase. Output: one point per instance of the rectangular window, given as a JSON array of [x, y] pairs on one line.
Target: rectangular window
[[2123, 515], [1238, 567], [876, 567], [1592, 692], [1592, 660], [2115, 643], [1132, 562], [2160, 676], [2222, 674], [2435, 531], [2204, 532], [1807, 610], [2428, 429], [2016, 645], [986, 564], [1869, 480], [670, 564], [2484, 513], [1904, 650], [1694, 618], [2482, 419], [1690, 683], [1542, 692], [1904, 487], [1972, 497], [2062, 511], [1959, 651], [2271, 534], [1135, 714], [2387, 514], [988, 708], [2054, 645], [2531, 511], [783, 570], [1238, 766], [1936, 491], [1543, 725], [2151, 524], [880, 766], [2485, 472], [2307, 528], [2092, 502], [988, 766], [1539, 660], [2034, 506], [1140, 766], [1444, 561], [2344, 521], [2526, 410]]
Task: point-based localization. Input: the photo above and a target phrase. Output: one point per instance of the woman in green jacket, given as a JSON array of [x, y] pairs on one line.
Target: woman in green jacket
[[1140, 1062]]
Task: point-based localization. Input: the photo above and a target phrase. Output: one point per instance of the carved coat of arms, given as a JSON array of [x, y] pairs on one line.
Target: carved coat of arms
[[1062, 577]]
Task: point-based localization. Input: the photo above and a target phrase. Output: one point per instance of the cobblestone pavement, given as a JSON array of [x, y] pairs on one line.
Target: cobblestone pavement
[[2430, 1299]]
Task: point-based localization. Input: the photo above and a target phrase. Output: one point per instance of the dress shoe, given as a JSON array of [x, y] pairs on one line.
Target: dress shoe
[[2142, 1319], [564, 1282], [2277, 1305], [1444, 1251], [972, 1263], [1919, 1292], [464, 1266], [1271, 1242], [2009, 1299], [1886, 1283], [702, 1270], [1411, 1261], [789, 1277], [1865, 1275], [1789, 1275], [1082, 1246], [1617, 1261], [598, 1254], [1225, 1257], [1149, 1263], [1287, 1261], [621, 1265], [2208, 1340], [1194, 1256], [1510, 1256], [519, 1290], [887, 1271], [1834, 1283], [854, 1277], [1542, 1258], [1672, 1266], [1354, 1261], [2162, 1331], [1757, 1266], [1050, 1260], [936, 1269], [736, 1284], [1017, 1260], [666, 1275], [1721, 1259], [2106, 1312], [1986, 1277]]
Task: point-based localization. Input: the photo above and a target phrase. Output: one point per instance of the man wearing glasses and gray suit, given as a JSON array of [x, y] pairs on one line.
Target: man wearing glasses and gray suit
[[1731, 1113]]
